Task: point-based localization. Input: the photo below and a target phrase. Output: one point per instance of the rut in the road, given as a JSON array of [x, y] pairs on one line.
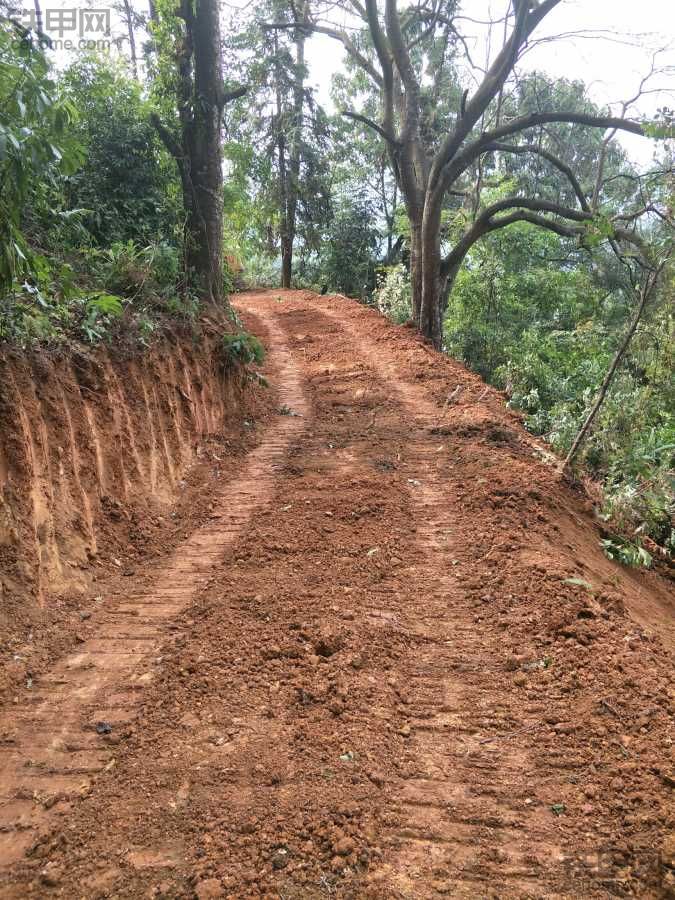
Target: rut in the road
[[51, 747], [461, 799]]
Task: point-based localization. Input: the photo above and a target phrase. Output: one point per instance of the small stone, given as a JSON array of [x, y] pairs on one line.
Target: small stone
[[563, 728], [50, 876], [281, 858], [520, 680], [404, 730]]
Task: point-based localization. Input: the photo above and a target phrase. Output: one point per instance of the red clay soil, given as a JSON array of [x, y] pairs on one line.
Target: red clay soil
[[392, 663], [103, 458]]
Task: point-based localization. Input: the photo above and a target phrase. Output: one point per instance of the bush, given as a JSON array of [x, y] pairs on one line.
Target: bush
[[244, 347], [126, 184], [347, 262], [392, 295], [261, 270]]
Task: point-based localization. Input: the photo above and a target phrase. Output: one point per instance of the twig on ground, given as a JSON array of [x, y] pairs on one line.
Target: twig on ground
[[608, 706], [510, 734]]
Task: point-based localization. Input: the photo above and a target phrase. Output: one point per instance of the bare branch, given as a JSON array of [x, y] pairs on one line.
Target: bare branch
[[335, 33], [233, 94], [525, 23], [645, 292], [550, 157], [471, 151], [357, 117]]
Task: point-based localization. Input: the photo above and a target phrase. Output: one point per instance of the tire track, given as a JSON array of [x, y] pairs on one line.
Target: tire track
[[463, 810], [50, 750]]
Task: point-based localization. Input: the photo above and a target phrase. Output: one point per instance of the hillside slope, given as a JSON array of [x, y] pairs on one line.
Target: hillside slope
[[393, 662]]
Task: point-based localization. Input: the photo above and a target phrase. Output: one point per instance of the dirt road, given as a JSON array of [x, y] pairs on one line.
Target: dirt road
[[393, 663]]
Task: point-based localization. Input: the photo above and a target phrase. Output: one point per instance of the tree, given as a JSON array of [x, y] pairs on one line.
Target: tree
[[126, 185], [194, 140], [405, 55], [350, 252], [35, 140], [360, 167], [289, 156], [285, 127], [643, 293], [131, 19]]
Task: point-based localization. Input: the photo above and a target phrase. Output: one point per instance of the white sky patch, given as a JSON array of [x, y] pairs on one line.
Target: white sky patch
[[611, 64], [611, 59]]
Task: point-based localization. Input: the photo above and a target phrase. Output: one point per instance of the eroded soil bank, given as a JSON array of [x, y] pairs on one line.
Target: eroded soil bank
[[100, 453], [389, 661]]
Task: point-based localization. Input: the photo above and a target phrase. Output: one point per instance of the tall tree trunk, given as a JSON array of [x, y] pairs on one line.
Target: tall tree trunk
[[198, 152], [290, 176], [416, 266], [205, 219], [430, 322], [286, 260], [129, 17], [38, 19], [284, 187]]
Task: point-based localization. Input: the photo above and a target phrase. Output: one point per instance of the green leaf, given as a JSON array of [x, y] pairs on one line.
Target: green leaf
[[105, 304]]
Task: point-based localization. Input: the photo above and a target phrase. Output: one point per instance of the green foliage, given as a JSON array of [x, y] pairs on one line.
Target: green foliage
[[662, 126], [626, 552], [147, 272], [126, 183], [546, 333], [36, 142], [90, 189], [348, 258], [244, 347], [50, 314], [261, 270], [510, 292], [392, 296], [99, 310]]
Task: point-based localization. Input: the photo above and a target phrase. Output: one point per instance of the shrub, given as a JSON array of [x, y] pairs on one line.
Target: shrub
[[392, 295], [244, 347]]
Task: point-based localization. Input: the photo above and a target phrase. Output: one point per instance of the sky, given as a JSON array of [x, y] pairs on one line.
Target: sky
[[612, 65]]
